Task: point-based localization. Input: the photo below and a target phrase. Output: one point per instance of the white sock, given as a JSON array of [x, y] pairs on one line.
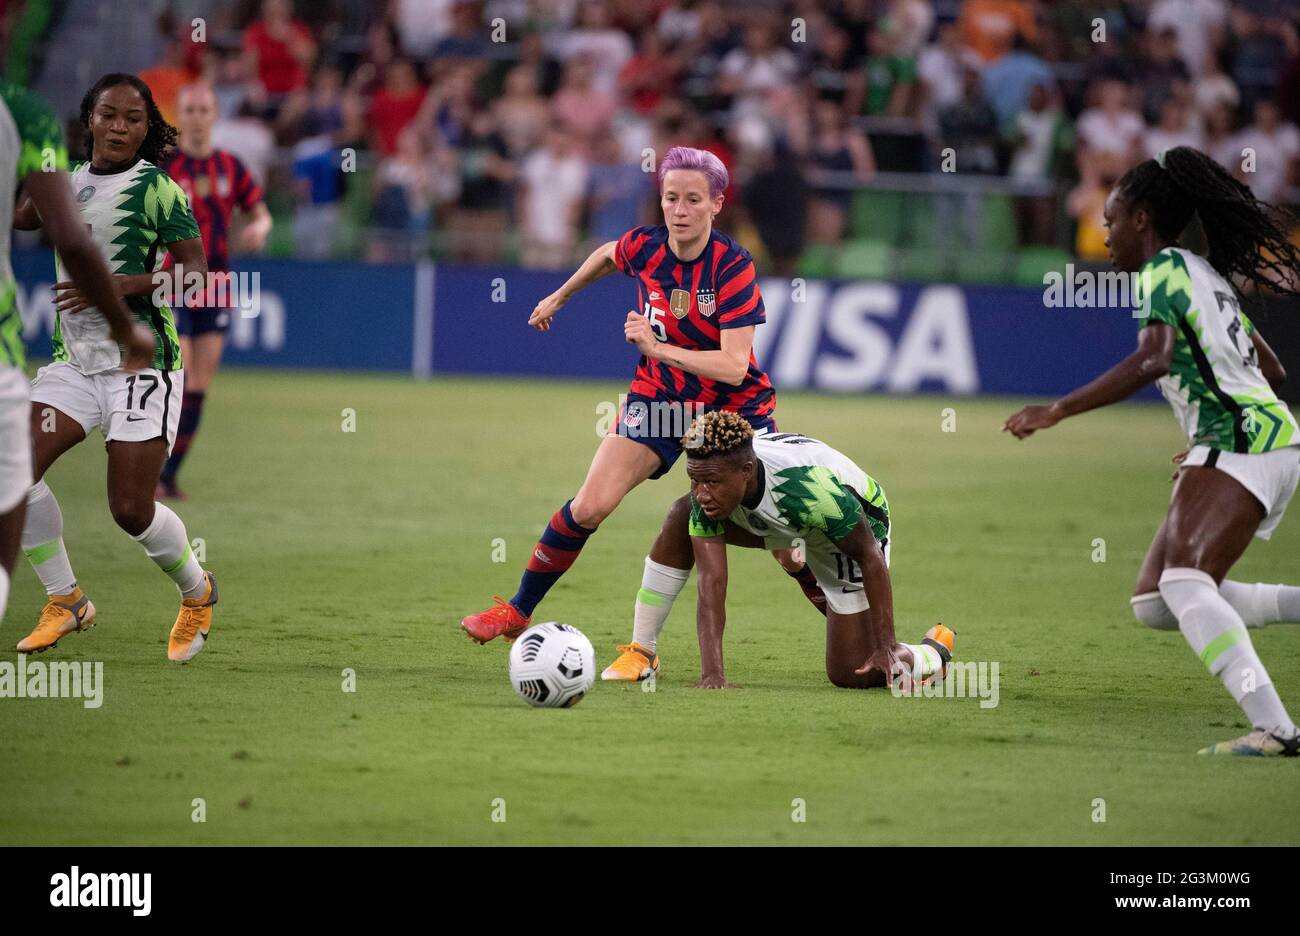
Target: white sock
[[4, 592], [1218, 636], [1257, 604], [1151, 610], [1261, 604], [42, 541], [166, 543], [925, 660], [660, 586]]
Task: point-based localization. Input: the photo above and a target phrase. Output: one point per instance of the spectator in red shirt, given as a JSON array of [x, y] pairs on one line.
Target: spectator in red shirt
[[395, 104], [648, 75], [281, 47]]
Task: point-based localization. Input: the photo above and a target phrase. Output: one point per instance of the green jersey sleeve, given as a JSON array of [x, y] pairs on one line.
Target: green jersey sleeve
[[42, 137], [1166, 290], [701, 524], [813, 498], [168, 210]]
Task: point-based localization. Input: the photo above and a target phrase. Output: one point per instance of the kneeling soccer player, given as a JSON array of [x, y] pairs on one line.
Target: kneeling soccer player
[[767, 490]]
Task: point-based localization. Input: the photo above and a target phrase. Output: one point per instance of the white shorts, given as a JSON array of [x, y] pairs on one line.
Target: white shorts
[[839, 578], [15, 439], [1270, 476], [127, 406]]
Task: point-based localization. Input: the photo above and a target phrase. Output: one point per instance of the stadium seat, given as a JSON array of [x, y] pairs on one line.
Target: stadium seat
[[817, 262], [1036, 262], [864, 259], [923, 264], [999, 232], [984, 266], [878, 215]]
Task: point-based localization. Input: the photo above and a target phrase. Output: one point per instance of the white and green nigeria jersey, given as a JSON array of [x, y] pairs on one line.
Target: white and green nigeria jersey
[[133, 215], [1214, 382], [30, 141], [810, 492]]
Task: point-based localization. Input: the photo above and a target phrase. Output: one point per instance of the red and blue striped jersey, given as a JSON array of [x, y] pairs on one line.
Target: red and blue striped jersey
[[215, 186], [688, 305]]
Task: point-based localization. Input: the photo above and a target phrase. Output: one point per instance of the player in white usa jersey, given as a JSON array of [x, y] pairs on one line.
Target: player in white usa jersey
[[1243, 461]]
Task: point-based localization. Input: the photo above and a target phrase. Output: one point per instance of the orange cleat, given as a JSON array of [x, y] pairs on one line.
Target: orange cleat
[[62, 615], [942, 639], [190, 632], [634, 664], [501, 620]]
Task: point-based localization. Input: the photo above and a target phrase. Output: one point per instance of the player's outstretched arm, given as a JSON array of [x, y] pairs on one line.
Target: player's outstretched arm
[[861, 546], [711, 612], [1144, 366], [50, 193], [599, 265]]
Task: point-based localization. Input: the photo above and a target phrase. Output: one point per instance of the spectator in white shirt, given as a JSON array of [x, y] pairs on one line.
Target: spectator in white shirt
[[755, 68], [1110, 133], [606, 48], [552, 186], [1176, 128], [1273, 146]]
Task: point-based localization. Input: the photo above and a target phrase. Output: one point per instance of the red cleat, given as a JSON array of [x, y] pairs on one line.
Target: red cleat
[[502, 620]]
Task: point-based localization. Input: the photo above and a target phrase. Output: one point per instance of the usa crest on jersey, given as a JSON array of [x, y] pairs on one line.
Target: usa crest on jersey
[[706, 302]]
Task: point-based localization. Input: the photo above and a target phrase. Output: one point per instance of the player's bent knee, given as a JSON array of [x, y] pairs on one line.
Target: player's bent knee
[[787, 560], [1150, 609], [133, 516], [843, 677], [590, 512]]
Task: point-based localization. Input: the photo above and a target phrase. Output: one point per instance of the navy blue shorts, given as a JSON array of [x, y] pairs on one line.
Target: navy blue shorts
[[193, 322], [660, 424]]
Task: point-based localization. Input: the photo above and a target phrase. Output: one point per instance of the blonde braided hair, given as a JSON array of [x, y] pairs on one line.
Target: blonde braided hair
[[717, 433]]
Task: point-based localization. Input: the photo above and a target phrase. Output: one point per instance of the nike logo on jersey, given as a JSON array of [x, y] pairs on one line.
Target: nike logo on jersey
[[135, 419], [654, 295]]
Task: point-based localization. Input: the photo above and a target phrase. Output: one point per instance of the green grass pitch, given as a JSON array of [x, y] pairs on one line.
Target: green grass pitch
[[362, 550]]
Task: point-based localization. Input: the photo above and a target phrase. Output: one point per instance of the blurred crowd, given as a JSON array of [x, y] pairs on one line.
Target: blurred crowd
[[524, 129]]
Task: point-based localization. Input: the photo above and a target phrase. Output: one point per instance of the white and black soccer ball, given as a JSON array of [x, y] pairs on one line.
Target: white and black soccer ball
[[552, 665]]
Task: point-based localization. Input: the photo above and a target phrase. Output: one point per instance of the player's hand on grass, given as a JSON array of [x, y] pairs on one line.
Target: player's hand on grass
[[542, 312], [637, 331], [1029, 420], [886, 660], [137, 347], [714, 682]]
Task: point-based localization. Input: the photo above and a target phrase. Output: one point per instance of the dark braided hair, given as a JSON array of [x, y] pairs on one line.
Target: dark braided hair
[[158, 139], [1246, 237]]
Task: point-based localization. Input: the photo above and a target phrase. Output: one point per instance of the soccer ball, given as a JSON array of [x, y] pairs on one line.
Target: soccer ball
[[552, 665]]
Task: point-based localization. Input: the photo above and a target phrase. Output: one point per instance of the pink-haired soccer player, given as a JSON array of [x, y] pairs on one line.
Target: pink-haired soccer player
[[698, 295]]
